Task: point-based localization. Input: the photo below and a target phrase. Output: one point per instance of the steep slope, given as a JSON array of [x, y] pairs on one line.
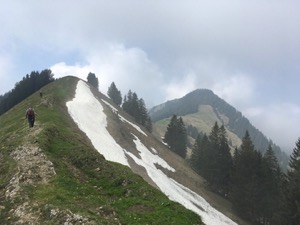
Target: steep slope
[[139, 150], [52, 174], [68, 181], [202, 108]]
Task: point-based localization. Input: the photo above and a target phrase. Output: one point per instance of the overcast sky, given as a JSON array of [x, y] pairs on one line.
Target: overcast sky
[[247, 52]]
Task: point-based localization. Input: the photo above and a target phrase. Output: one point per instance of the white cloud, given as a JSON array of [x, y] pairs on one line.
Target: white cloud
[[179, 87], [7, 70], [280, 122], [230, 47], [129, 68], [237, 90], [62, 69]]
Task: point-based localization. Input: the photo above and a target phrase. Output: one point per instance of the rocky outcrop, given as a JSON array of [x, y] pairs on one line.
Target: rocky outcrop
[[33, 168]]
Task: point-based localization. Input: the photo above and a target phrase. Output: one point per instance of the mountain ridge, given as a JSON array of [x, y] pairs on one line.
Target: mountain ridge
[[83, 187], [226, 114]]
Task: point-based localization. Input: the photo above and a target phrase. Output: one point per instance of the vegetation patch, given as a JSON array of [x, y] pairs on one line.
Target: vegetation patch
[[86, 188]]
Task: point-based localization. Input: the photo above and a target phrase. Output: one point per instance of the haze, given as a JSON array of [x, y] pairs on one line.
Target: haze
[[248, 53]]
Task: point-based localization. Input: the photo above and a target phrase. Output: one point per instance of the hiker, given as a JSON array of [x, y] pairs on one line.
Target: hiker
[[30, 116]]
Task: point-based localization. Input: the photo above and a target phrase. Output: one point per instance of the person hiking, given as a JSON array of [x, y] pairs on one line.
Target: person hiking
[[30, 116]]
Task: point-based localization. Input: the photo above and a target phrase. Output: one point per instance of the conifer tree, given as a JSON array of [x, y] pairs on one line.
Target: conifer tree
[[137, 109], [182, 141], [134, 107], [148, 124], [217, 160], [246, 179], [224, 163], [214, 136], [210, 156], [271, 188], [114, 94], [176, 136], [171, 133], [197, 155], [143, 114], [93, 80], [292, 196], [127, 103]]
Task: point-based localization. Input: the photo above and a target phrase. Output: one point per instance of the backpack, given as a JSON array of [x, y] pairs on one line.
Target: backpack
[[30, 112]]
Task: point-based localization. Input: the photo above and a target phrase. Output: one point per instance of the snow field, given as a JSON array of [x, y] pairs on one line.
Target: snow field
[[88, 113], [175, 191]]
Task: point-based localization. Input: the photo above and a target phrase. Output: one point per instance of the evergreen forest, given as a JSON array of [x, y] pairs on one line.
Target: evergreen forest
[[28, 85], [254, 182], [136, 107]]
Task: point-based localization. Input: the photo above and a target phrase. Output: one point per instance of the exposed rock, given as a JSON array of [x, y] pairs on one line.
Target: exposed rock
[[33, 168]]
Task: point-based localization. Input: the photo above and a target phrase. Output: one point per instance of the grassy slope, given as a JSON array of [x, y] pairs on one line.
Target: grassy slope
[[203, 120], [86, 184]]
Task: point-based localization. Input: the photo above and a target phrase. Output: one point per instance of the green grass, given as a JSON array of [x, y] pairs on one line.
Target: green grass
[[85, 183]]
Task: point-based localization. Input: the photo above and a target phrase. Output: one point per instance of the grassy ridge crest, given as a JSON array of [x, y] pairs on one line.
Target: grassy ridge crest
[[86, 188]]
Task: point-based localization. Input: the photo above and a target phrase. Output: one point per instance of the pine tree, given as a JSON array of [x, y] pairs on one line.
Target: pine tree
[[197, 155], [114, 94], [224, 163], [170, 135], [214, 136], [200, 149], [134, 107], [128, 103], [271, 188], [176, 136], [292, 197], [216, 160], [246, 179], [143, 113], [148, 124], [182, 139], [93, 80], [137, 109], [210, 156]]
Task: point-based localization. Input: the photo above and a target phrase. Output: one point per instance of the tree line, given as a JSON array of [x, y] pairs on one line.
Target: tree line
[[131, 104], [28, 85], [258, 189], [36, 80]]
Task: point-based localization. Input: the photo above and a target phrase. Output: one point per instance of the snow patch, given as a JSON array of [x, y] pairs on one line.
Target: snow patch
[[123, 119], [175, 191], [154, 150], [87, 112], [148, 158], [112, 107]]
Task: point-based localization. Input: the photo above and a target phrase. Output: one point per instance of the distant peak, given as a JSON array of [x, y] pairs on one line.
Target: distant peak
[[201, 91]]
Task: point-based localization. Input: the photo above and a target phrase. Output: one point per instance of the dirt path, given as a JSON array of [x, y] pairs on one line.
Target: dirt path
[[33, 168]]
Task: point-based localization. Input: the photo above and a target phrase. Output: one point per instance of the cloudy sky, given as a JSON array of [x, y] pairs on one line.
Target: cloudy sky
[[247, 52]]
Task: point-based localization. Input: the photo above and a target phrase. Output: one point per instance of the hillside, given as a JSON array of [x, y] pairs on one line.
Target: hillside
[[202, 108], [54, 174]]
